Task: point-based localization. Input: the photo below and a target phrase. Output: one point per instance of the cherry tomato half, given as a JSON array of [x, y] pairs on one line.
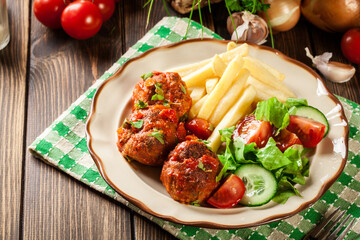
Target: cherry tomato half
[[81, 19], [308, 131], [106, 8], [200, 128], [286, 139], [229, 193], [48, 12], [252, 130], [350, 45]]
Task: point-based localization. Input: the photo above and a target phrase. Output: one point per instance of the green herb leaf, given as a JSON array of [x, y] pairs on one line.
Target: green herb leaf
[[158, 134], [195, 203], [140, 105], [251, 6], [159, 92], [201, 166], [138, 124], [166, 103], [146, 75], [183, 89], [203, 141]]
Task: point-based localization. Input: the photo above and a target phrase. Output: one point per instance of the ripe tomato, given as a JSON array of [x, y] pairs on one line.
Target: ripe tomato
[[350, 45], [308, 131], [286, 139], [106, 8], [252, 130], [229, 193], [48, 12], [200, 128], [81, 19]]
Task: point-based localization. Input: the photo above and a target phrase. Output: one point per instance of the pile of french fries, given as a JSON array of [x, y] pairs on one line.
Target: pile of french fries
[[226, 87]]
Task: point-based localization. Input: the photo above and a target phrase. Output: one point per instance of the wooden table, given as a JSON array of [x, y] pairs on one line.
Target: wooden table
[[42, 72]]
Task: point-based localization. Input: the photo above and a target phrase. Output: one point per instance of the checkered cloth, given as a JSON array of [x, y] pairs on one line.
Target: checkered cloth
[[63, 145]]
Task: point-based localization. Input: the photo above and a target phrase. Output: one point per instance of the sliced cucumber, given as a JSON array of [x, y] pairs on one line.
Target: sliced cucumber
[[314, 114], [260, 184]]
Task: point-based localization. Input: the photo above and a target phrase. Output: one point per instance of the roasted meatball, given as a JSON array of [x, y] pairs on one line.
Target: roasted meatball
[[189, 174], [163, 88], [148, 135]]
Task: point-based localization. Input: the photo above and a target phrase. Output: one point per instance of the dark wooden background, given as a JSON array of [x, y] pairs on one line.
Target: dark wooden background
[[42, 72]]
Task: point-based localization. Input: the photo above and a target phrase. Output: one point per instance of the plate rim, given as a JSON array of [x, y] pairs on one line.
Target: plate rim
[[270, 219]]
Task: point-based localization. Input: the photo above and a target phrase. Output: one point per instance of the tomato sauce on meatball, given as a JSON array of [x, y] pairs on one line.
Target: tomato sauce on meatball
[[189, 174], [163, 88], [148, 135]]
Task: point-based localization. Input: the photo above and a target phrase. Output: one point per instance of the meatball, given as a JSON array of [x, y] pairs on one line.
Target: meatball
[[163, 88], [189, 174], [148, 135]]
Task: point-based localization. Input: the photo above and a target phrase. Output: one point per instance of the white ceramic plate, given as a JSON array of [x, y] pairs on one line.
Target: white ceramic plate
[[141, 185]]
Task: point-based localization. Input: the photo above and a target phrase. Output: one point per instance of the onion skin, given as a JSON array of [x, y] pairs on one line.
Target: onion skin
[[332, 15], [283, 14]]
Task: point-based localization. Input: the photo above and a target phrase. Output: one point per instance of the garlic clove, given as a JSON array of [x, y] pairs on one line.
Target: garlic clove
[[252, 28], [337, 72], [333, 71]]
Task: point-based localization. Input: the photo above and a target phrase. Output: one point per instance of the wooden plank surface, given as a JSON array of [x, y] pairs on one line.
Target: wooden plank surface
[[61, 69], [13, 63], [40, 202]]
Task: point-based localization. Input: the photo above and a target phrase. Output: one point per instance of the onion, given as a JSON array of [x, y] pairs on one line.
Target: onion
[[332, 15], [283, 14]]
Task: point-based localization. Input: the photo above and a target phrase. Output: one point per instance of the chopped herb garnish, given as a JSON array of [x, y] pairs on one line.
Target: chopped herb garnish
[[140, 104], [184, 117], [138, 124], [146, 75], [211, 127], [183, 89], [166, 103], [159, 92], [201, 166], [195, 203], [158, 134], [203, 141]]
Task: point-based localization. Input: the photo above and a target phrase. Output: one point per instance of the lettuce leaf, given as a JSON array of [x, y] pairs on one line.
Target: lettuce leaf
[[271, 157], [273, 111]]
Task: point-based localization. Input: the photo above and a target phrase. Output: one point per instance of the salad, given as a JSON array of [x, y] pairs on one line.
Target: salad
[[264, 156]]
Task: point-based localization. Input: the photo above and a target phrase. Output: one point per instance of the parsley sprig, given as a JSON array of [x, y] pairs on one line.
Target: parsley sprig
[[158, 134], [137, 124], [140, 104], [159, 92]]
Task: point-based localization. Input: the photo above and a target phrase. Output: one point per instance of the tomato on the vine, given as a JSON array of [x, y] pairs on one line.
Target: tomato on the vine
[[48, 12], [350, 45], [81, 19], [106, 8]]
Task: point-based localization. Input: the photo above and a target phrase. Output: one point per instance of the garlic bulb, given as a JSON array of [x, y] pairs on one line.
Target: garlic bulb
[[333, 71], [283, 14], [249, 27]]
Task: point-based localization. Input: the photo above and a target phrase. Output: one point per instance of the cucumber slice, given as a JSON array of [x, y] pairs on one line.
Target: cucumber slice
[[314, 114], [260, 184]]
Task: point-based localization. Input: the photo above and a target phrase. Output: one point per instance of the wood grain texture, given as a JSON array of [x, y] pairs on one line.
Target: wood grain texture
[[61, 69], [13, 62]]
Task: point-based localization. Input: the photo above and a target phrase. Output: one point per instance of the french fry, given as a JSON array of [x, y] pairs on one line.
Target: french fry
[[197, 93], [189, 68], [214, 68], [267, 91], [263, 75], [230, 98], [231, 46], [237, 112], [211, 84], [222, 87], [242, 50], [194, 110], [279, 75]]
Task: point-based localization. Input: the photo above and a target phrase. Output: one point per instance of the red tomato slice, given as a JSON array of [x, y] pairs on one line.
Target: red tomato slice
[[200, 128], [286, 139], [252, 130], [229, 193], [308, 131]]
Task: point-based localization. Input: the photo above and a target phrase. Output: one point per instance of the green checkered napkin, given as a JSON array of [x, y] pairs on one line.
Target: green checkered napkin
[[63, 145]]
